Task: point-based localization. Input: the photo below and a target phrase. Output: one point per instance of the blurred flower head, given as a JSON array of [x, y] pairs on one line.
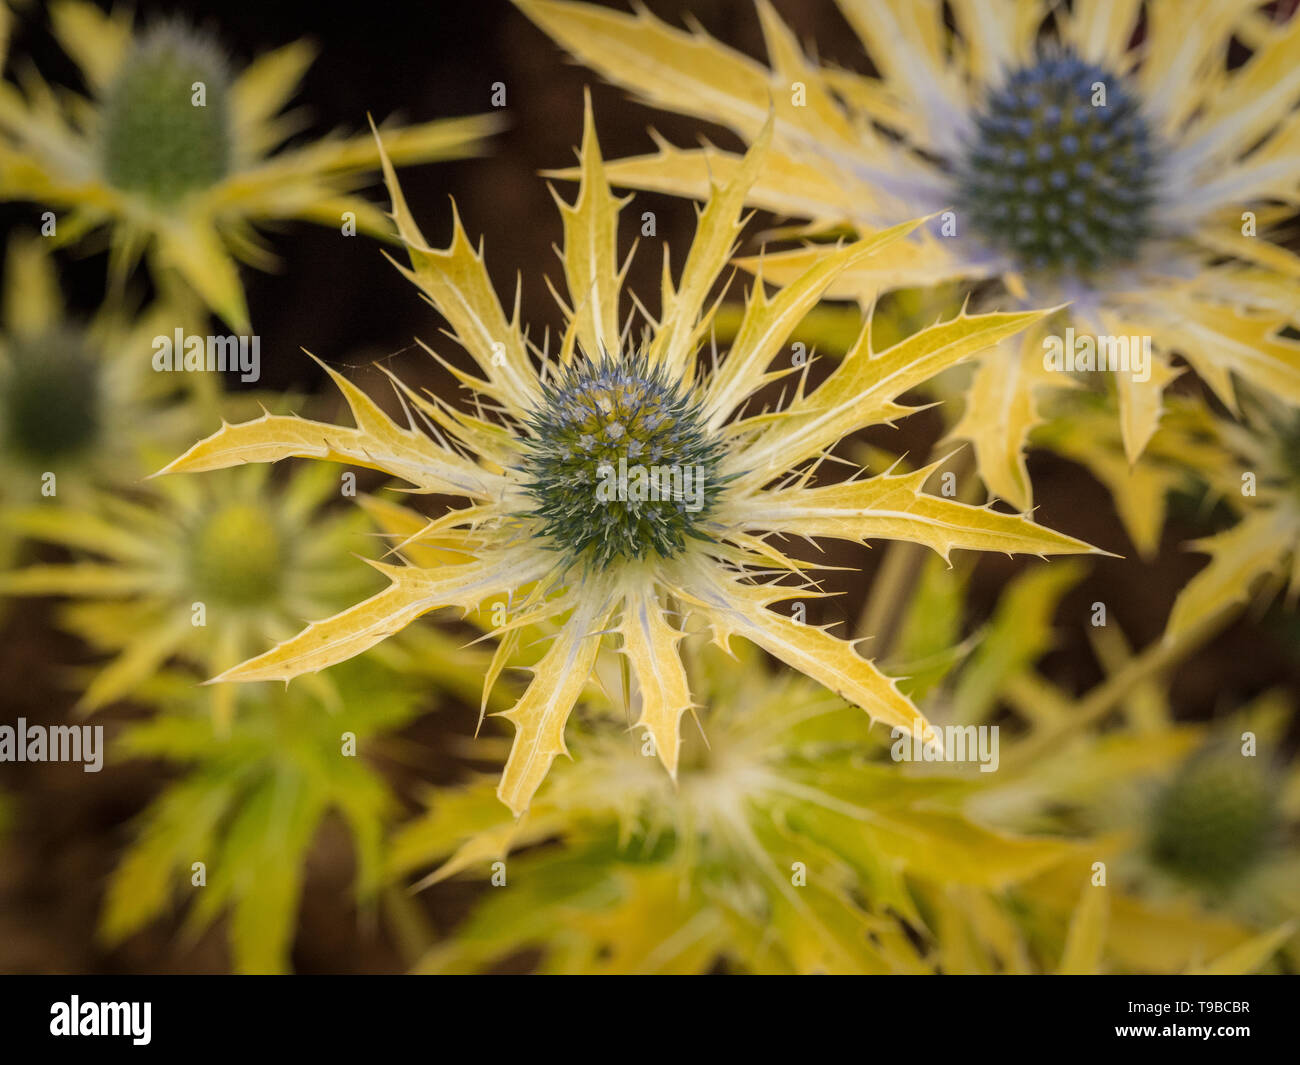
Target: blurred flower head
[[201, 571], [179, 154], [79, 404], [1103, 154]]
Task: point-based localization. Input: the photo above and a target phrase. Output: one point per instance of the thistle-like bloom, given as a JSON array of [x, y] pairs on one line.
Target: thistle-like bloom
[[205, 573], [76, 406], [1214, 821], [1130, 173], [620, 488], [1198, 827], [176, 152]]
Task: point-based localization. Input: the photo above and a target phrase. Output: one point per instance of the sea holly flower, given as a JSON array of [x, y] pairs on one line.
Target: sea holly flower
[[1133, 175], [1196, 824], [1213, 821], [77, 404], [201, 572], [180, 154], [619, 489], [79, 411]]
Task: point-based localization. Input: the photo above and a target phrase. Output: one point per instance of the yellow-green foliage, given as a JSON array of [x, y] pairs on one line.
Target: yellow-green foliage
[[791, 842], [786, 844], [250, 802]]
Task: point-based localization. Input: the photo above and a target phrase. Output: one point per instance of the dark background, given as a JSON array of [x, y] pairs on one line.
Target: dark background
[[341, 300]]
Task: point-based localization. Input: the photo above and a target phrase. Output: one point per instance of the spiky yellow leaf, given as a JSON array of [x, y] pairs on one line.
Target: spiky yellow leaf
[[86, 579], [768, 322], [686, 72], [1249, 957], [540, 716], [650, 644], [947, 848], [720, 223], [895, 507], [193, 248], [31, 298], [920, 262], [1257, 545], [455, 279], [786, 186], [1000, 414], [908, 42], [591, 250], [268, 83], [1086, 938], [862, 389], [1142, 935], [742, 610], [1101, 28], [1218, 339], [413, 592], [1140, 406], [96, 40], [139, 661], [377, 442], [83, 529], [1249, 106]]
